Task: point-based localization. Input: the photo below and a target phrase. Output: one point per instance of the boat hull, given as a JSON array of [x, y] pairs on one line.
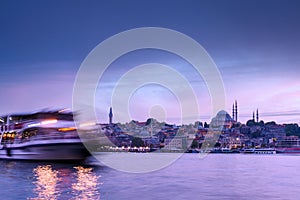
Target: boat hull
[[295, 150], [70, 150], [258, 151]]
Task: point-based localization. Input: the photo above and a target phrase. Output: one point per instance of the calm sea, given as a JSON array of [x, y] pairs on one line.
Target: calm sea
[[217, 176]]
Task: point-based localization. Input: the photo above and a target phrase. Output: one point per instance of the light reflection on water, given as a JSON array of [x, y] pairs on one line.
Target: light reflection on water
[[46, 182], [86, 185], [50, 183]]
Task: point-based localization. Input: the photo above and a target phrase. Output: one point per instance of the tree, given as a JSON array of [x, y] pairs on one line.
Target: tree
[[270, 123], [291, 129], [217, 145], [206, 125], [201, 124], [137, 142], [261, 123], [195, 144], [256, 134], [250, 122]]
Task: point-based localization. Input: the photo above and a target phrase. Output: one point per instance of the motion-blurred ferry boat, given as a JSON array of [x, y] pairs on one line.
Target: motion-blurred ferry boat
[[44, 135]]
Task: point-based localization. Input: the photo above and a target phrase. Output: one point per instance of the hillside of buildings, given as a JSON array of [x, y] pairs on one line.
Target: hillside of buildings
[[231, 134]]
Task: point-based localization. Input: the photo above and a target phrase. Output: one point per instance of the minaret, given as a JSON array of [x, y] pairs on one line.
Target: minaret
[[110, 115], [257, 115], [236, 111], [233, 112]]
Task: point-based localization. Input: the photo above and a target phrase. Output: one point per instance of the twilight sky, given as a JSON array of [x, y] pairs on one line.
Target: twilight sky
[[255, 44]]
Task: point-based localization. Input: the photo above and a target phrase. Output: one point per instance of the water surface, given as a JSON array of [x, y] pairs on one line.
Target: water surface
[[216, 176]]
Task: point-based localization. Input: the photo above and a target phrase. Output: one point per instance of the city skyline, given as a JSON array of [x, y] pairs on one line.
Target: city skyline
[[254, 44]]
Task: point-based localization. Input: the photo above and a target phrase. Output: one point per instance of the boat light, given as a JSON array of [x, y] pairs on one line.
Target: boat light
[[67, 129], [49, 121], [64, 110], [32, 125]]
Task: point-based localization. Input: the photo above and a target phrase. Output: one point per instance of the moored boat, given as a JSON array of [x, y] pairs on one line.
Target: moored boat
[[289, 144], [259, 151], [288, 150], [44, 135], [224, 150]]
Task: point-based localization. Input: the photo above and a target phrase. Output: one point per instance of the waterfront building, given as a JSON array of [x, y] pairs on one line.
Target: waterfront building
[[176, 143], [274, 131]]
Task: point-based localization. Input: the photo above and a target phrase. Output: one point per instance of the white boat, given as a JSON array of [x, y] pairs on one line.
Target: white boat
[[289, 144], [259, 151], [44, 135]]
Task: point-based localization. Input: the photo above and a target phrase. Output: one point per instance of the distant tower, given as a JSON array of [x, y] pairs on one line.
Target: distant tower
[[253, 116], [233, 112], [257, 115], [110, 115], [236, 111]]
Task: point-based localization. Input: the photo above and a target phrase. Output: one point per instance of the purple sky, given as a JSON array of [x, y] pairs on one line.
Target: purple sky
[[255, 44]]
